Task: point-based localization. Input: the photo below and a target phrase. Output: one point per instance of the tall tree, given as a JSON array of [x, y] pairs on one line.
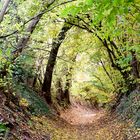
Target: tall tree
[[46, 88]]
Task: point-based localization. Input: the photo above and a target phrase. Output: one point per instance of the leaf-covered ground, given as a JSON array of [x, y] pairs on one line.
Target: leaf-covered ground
[[17, 123], [80, 123], [75, 123]]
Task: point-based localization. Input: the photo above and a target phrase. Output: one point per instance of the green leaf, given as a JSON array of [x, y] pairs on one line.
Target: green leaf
[[8, 52], [3, 128], [89, 2], [75, 11]]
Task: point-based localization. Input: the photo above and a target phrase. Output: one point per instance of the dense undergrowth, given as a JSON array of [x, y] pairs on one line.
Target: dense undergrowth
[[129, 108], [36, 103], [16, 123]]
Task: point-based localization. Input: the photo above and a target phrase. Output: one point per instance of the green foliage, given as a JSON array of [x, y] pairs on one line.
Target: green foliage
[[124, 62], [3, 128], [37, 105], [23, 68], [90, 92], [129, 107]]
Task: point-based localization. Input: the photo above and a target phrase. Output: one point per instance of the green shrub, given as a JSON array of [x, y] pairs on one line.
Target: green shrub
[[3, 130], [36, 104]]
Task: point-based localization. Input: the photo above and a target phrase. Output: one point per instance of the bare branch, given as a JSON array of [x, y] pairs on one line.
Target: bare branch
[[4, 36]]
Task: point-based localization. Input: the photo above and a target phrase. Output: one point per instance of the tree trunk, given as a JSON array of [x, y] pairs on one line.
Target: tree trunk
[[3, 10], [67, 86], [134, 65], [68, 83], [46, 88], [24, 40], [60, 92]]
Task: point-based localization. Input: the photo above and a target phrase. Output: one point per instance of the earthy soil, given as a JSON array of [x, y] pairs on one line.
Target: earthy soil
[[77, 122], [82, 123], [81, 115]]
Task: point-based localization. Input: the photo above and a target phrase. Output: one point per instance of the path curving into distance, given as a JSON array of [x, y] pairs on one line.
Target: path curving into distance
[[79, 122], [81, 115]]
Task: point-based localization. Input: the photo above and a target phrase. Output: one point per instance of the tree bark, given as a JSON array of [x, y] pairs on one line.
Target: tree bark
[[30, 29], [46, 88], [67, 86], [23, 41], [60, 92], [68, 83], [3, 10], [134, 65]]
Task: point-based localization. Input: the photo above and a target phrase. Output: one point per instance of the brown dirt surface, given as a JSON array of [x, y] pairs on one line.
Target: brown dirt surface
[[81, 115], [81, 123], [77, 122]]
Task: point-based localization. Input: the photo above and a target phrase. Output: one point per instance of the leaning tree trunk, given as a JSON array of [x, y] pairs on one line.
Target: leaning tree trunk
[[24, 40], [3, 10], [107, 73], [46, 88], [30, 29]]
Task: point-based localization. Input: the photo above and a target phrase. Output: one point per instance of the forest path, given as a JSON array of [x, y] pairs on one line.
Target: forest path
[[82, 123], [78, 114]]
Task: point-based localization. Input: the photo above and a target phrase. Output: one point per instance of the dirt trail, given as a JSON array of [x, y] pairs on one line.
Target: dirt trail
[[81, 115], [81, 123], [93, 124]]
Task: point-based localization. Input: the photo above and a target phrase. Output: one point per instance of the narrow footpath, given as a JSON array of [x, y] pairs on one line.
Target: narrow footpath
[[81, 115], [81, 123]]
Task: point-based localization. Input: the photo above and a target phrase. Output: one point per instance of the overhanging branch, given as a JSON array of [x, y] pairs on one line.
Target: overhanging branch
[[41, 13]]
